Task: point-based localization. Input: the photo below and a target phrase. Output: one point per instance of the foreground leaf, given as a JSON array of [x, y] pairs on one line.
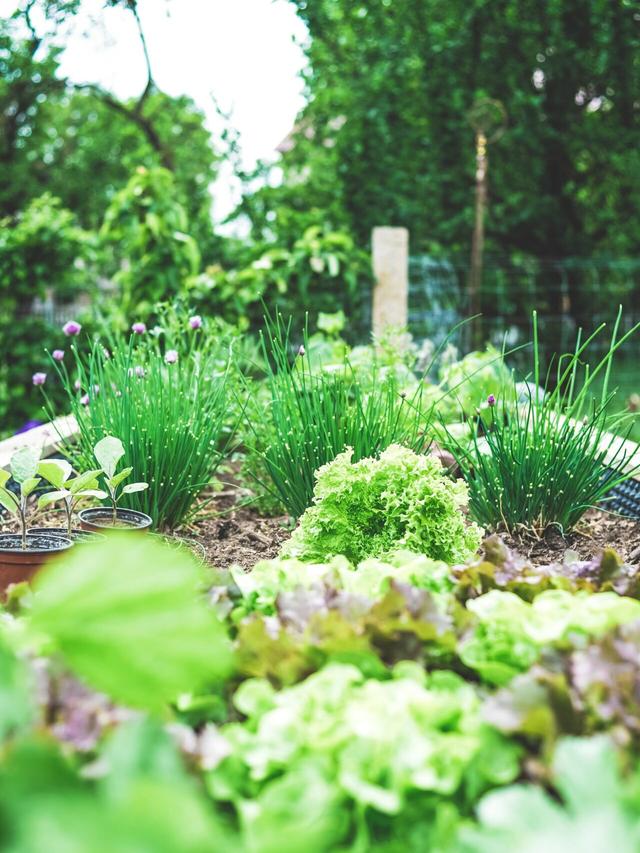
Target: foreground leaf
[[127, 617]]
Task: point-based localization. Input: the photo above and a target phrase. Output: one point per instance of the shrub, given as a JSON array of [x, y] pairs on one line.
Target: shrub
[[42, 248], [372, 507], [322, 269], [548, 460], [171, 417]]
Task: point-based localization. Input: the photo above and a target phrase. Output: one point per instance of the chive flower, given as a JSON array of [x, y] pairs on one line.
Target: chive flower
[[491, 400], [301, 350], [39, 378], [138, 328], [71, 328], [195, 322], [77, 385], [57, 354], [171, 356], [84, 400]]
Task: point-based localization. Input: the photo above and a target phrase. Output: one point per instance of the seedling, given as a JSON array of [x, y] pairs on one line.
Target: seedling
[[24, 469], [68, 489], [108, 452]]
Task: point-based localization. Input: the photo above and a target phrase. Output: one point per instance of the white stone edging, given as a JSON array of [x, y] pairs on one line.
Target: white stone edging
[[45, 439]]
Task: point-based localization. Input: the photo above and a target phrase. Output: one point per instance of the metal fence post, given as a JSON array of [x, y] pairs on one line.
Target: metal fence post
[[390, 258]]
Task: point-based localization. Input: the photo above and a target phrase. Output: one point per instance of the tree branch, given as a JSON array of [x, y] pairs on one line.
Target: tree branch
[[133, 6], [134, 115]]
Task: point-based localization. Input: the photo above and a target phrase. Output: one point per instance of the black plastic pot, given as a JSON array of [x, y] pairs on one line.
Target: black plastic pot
[[99, 519], [17, 565], [78, 537]]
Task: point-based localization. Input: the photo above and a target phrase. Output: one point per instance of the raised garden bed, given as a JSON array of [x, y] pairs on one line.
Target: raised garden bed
[[376, 676]]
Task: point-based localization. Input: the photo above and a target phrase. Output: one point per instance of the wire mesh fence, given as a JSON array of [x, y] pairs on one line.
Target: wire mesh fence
[[568, 294]]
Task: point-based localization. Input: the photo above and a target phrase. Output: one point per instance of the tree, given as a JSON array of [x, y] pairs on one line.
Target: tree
[[67, 138], [385, 139]]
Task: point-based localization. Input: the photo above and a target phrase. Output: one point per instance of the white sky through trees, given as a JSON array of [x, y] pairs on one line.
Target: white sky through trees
[[241, 51]]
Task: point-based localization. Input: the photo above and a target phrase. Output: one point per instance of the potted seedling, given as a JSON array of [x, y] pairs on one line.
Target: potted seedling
[[70, 490], [22, 554], [108, 452]]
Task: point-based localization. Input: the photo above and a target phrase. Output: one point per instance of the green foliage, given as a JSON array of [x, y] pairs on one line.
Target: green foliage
[[376, 743], [350, 720], [141, 636], [148, 231], [16, 698], [385, 137], [511, 632], [586, 689], [315, 413], [320, 271], [596, 806], [66, 488], [474, 378], [548, 460], [373, 506], [98, 146], [24, 470], [28, 84], [41, 249], [270, 578], [151, 805], [172, 419], [108, 453]]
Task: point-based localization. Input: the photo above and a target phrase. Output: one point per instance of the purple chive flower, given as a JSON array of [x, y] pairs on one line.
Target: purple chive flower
[[106, 353], [71, 328], [84, 399], [77, 385], [27, 426], [171, 356], [57, 354], [139, 371], [138, 328], [491, 400], [39, 378], [195, 322], [301, 350]]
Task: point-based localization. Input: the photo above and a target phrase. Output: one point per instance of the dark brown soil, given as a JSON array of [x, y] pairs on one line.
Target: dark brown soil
[[240, 537], [596, 530], [235, 534]]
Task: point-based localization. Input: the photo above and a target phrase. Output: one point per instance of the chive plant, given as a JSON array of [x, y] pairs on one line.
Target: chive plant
[[546, 460], [311, 415], [169, 410]]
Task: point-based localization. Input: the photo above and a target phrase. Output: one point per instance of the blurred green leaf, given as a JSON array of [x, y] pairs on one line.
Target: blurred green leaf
[[128, 618]]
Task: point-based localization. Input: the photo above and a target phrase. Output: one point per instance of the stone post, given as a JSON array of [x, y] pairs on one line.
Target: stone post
[[390, 257]]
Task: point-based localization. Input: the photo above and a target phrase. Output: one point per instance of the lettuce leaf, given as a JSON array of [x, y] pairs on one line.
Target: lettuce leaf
[[375, 506]]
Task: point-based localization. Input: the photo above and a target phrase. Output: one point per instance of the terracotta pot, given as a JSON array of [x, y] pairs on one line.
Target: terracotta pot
[[17, 565], [99, 519], [78, 537]]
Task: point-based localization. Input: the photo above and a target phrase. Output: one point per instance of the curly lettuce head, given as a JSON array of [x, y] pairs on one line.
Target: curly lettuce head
[[375, 506]]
